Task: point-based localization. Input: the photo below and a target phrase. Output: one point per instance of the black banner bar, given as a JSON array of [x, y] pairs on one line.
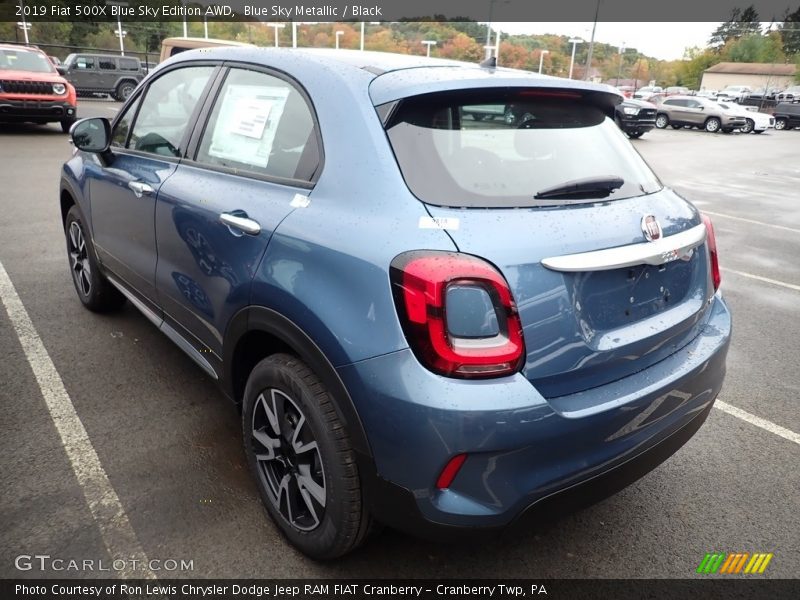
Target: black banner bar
[[389, 10], [711, 588]]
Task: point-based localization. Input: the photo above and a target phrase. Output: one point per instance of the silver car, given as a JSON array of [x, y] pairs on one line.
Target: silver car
[[692, 111]]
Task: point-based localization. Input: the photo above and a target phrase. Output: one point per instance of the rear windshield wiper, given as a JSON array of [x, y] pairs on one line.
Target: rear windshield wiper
[[591, 187]]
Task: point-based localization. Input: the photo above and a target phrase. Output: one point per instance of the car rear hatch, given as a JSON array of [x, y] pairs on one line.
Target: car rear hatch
[[608, 269]]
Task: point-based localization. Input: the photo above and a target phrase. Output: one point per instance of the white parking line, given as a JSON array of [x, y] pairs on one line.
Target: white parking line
[[786, 434], [762, 223], [790, 286], [115, 528]]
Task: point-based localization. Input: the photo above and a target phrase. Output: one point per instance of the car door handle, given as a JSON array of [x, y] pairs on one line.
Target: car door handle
[[140, 188], [244, 224]]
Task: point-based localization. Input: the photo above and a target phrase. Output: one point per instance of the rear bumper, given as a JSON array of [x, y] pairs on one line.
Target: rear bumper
[[528, 457], [36, 110]]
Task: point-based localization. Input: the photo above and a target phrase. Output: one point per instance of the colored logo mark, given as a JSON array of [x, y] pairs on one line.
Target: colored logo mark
[[735, 562]]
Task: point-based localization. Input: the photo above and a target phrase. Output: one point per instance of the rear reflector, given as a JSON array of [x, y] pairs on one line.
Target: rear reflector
[[450, 471], [711, 241]]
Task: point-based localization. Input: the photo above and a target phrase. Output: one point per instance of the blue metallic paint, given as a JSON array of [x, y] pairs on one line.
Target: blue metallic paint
[[317, 277]]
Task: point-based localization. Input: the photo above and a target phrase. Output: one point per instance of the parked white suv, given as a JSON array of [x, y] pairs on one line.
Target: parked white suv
[[735, 93]]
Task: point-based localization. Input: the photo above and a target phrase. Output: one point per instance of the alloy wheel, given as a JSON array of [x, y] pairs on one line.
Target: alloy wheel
[[748, 126], [780, 124], [79, 259], [712, 125], [288, 459], [662, 121]]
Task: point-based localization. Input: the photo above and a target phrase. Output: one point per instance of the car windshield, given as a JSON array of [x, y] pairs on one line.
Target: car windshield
[[24, 60], [501, 149]]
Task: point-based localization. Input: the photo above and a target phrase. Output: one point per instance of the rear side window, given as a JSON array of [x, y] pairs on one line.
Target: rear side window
[[128, 64], [501, 149], [107, 64], [261, 124]]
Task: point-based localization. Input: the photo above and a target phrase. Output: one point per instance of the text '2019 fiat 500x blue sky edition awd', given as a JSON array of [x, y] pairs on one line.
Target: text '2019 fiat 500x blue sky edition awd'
[[432, 320]]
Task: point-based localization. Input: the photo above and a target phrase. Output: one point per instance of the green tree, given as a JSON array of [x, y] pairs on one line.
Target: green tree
[[742, 23], [755, 48], [790, 33]]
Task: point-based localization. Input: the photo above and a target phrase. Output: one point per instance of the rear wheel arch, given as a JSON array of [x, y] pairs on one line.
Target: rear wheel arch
[[257, 332]]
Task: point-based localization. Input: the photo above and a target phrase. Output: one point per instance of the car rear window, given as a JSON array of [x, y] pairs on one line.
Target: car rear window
[[474, 148]]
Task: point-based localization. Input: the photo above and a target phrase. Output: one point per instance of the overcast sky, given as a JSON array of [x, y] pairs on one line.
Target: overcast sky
[[666, 41]]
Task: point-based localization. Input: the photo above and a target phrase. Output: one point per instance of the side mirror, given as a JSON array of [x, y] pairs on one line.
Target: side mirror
[[91, 135]]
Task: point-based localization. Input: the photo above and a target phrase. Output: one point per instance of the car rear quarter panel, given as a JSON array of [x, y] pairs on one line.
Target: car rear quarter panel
[[327, 265]]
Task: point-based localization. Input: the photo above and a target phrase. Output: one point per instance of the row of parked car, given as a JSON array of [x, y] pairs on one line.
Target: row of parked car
[[732, 93], [635, 116]]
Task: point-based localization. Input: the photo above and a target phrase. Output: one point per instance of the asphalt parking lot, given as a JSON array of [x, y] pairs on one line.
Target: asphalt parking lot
[[170, 445]]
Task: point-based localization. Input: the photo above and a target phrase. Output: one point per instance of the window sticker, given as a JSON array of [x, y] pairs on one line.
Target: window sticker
[[248, 119]]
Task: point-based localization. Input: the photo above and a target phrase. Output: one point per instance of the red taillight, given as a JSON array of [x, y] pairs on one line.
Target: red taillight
[[450, 471], [711, 241], [421, 281]]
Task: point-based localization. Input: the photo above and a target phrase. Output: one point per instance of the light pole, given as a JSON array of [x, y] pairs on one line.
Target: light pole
[[120, 34], [621, 56], [338, 35], [276, 26], [205, 27], [574, 42], [541, 59], [185, 26], [591, 43], [362, 31], [24, 25], [428, 43]]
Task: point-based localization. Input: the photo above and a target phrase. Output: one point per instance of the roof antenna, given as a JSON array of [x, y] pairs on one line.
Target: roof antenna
[[489, 63]]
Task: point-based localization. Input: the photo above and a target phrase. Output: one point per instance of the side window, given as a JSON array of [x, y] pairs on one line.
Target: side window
[[261, 124], [120, 134], [107, 64], [128, 64], [84, 62], [166, 110]]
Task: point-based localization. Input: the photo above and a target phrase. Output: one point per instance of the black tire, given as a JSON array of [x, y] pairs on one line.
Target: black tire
[[635, 134], [748, 127], [674, 126], [759, 131], [66, 124], [780, 124], [713, 125], [662, 121], [286, 408], [477, 117], [94, 290], [124, 90]]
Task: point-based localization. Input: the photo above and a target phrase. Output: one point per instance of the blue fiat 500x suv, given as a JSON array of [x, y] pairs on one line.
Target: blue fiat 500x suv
[[445, 295]]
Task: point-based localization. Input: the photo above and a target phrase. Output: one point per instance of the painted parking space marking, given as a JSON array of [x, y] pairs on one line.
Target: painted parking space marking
[[118, 536], [786, 434], [754, 222], [790, 286]]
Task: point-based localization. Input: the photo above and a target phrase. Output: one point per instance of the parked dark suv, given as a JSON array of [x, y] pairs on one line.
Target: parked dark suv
[[329, 235], [117, 76], [787, 115]]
